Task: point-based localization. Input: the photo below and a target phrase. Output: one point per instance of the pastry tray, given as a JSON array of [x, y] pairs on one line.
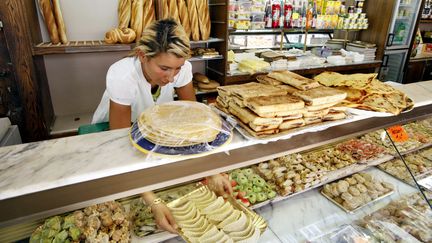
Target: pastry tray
[[362, 206], [256, 219]]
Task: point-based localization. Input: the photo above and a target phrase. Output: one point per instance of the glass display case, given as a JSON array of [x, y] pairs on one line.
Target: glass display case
[[356, 180]]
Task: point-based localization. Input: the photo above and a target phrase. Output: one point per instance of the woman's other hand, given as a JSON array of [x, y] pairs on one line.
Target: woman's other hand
[[220, 184], [164, 218]]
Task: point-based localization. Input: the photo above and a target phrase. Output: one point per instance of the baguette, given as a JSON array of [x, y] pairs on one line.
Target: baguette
[[173, 10], [137, 17], [124, 36], [149, 13], [203, 19], [193, 17], [184, 16], [165, 9], [124, 13], [47, 14], [60, 22]]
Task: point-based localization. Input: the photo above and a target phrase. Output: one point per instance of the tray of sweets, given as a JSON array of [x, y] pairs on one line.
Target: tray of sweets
[[204, 217], [354, 192]]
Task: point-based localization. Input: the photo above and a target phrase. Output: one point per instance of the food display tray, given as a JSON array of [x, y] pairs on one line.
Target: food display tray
[[256, 219], [362, 206]]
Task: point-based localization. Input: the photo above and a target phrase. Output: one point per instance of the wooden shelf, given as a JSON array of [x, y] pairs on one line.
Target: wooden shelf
[[278, 31], [426, 21], [47, 48]]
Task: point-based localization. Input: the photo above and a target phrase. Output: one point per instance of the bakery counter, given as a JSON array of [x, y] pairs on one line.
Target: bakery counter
[[65, 174], [421, 56], [365, 67]]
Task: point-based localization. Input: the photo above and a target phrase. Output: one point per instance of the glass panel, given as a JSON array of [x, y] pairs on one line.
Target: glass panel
[[405, 17], [393, 71]]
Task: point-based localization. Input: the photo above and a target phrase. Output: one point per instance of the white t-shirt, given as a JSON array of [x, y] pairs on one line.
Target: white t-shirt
[[126, 85]]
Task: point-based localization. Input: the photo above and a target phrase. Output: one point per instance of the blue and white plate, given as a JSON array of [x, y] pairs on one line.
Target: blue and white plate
[[148, 147]]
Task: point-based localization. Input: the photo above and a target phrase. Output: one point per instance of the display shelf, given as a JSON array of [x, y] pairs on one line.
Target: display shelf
[[47, 48], [426, 21], [94, 184], [278, 31], [198, 59]]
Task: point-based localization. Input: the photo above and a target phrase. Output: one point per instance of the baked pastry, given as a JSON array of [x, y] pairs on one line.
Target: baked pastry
[[124, 36], [294, 80], [60, 22], [149, 14], [212, 85], [124, 13], [184, 16], [137, 17], [203, 18], [50, 23], [193, 17], [173, 10]]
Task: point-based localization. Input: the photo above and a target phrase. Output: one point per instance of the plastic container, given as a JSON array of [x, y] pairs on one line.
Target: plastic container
[[258, 8], [231, 23], [243, 15], [257, 17], [242, 24], [257, 25], [244, 6]]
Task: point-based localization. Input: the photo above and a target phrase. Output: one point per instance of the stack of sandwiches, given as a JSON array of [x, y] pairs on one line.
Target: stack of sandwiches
[[281, 101]]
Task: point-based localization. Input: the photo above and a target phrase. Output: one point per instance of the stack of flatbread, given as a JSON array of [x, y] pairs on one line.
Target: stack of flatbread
[[366, 92], [179, 123], [272, 106], [207, 218]]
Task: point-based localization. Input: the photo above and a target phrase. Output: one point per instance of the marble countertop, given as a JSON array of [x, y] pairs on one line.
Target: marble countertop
[[40, 166]]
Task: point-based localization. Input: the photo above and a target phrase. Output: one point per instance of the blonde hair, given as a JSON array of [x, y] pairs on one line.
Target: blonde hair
[[163, 36]]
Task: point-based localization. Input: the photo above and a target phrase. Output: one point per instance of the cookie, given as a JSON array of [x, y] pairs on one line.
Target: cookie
[[346, 196], [366, 198], [379, 187], [334, 191], [361, 188], [338, 200], [351, 181], [359, 178], [354, 191], [342, 186], [387, 185], [369, 185], [366, 176], [373, 194]]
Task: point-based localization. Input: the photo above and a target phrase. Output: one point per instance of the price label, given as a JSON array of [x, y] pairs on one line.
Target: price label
[[398, 133], [426, 183], [295, 16]]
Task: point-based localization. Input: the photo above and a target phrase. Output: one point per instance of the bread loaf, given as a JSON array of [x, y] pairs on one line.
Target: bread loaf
[[137, 17], [60, 22], [47, 14], [124, 13], [184, 16], [165, 9], [173, 10], [193, 17], [117, 35], [149, 13], [201, 78], [203, 19]]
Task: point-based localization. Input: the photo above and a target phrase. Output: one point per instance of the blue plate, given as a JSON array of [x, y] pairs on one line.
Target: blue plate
[[146, 146]]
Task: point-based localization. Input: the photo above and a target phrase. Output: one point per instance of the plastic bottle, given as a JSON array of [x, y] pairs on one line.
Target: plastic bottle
[[288, 10]]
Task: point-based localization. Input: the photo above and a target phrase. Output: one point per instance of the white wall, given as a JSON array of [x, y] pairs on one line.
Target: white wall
[[77, 81]]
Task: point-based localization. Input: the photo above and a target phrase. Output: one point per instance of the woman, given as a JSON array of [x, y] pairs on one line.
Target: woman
[[155, 69]]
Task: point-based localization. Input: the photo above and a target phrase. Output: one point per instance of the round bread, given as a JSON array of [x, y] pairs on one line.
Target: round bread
[[353, 191], [210, 85], [342, 186]]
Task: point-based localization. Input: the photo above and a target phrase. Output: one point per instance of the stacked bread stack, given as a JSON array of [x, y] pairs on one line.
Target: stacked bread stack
[[53, 18], [134, 16], [179, 124], [203, 83], [193, 15], [265, 109]]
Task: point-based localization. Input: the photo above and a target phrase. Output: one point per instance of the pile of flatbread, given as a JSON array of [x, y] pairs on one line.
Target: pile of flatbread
[[179, 123], [207, 218], [279, 102], [366, 92]]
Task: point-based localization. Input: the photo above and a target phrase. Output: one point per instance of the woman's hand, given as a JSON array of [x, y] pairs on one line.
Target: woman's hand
[[164, 218], [162, 214], [220, 184]]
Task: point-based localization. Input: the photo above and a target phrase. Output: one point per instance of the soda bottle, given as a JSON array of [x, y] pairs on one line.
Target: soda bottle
[[288, 10], [276, 9]]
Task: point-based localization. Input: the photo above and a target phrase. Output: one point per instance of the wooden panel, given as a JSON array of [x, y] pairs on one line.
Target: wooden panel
[[14, 14], [379, 13], [414, 72]]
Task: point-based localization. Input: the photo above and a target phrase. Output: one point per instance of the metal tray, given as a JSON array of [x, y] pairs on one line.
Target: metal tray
[[356, 209], [256, 219]]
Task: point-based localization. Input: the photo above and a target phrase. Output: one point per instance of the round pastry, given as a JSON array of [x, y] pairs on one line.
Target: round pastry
[[361, 188], [350, 205], [338, 200], [379, 187], [334, 190], [351, 181], [211, 85], [366, 198], [346, 196], [366, 176], [369, 185], [354, 191], [373, 194], [342, 186], [359, 178], [387, 185]]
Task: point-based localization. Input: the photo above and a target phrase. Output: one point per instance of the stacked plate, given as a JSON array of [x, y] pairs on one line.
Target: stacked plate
[[179, 128], [367, 49]]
